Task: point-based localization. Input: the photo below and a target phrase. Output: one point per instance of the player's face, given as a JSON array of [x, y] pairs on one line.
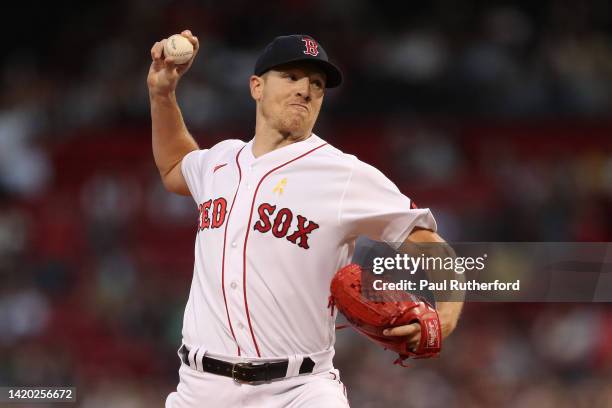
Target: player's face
[[291, 97]]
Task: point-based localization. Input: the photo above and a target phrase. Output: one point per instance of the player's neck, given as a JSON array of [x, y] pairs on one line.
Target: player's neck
[[267, 141]]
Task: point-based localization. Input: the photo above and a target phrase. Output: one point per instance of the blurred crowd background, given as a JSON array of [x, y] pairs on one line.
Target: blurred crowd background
[[494, 114]]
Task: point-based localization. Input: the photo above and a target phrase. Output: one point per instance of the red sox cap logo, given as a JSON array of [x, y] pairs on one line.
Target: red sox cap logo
[[312, 48]]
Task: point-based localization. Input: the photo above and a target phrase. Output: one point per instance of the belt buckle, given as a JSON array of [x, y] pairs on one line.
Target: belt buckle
[[241, 365]]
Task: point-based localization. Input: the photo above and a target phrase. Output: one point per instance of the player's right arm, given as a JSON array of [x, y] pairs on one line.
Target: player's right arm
[[171, 139]]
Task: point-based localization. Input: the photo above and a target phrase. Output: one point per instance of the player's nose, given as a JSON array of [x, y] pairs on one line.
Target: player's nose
[[303, 88]]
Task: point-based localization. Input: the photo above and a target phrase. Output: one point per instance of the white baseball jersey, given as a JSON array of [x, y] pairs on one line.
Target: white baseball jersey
[[271, 233]]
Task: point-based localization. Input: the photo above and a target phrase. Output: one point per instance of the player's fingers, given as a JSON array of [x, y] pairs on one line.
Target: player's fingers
[[157, 56], [413, 341], [188, 35], [169, 63], [156, 51], [192, 39], [196, 48], [196, 44], [161, 46], [406, 330]]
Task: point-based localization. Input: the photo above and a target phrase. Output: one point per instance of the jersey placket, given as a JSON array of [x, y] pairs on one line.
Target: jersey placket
[[235, 254]]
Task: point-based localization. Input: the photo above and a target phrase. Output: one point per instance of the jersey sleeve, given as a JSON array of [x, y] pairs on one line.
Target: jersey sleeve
[[373, 206], [193, 167]]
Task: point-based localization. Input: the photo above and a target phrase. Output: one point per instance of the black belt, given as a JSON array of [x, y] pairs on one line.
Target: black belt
[[246, 372]]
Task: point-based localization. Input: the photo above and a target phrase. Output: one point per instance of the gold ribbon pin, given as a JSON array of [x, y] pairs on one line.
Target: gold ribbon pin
[[280, 186]]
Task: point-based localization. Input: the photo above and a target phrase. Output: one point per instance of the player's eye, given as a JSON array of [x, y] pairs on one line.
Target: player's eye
[[318, 84]]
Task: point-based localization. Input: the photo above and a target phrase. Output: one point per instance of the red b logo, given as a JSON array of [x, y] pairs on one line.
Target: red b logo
[[312, 48]]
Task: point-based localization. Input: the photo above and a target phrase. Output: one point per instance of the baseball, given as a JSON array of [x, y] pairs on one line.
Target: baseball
[[179, 48]]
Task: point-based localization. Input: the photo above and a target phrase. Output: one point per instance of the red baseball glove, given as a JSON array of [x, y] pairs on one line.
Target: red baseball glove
[[391, 309]]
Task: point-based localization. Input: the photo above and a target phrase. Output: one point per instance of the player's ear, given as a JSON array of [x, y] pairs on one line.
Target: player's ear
[[256, 83]]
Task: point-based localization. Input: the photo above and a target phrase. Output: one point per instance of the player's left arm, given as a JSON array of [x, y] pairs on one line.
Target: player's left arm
[[448, 311]]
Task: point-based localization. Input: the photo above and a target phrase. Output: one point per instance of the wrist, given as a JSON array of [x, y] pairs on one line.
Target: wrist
[[162, 96], [446, 327], [448, 322]]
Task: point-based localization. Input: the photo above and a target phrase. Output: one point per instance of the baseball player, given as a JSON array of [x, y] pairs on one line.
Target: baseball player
[[277, 216]]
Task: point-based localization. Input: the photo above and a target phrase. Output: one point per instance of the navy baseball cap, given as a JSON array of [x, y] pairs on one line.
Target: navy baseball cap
[[297, 47]]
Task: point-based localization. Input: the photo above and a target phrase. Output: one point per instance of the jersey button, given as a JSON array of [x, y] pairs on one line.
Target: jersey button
[[233, 245], [234, 285], [240, 326]]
